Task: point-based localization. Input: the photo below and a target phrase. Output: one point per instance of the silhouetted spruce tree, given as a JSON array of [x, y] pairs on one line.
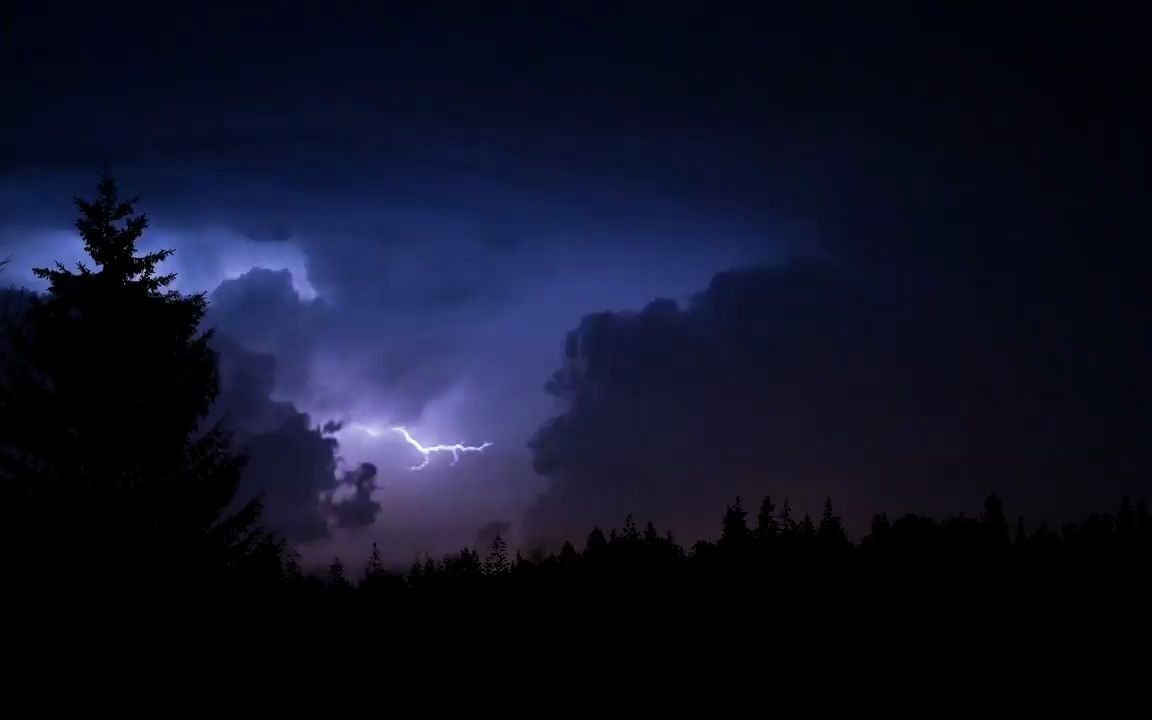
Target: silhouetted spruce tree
[[767, 527], [375, 564], [787, 524], [337, 581], [631, 533], [993, 522], [596, 542], [496, 563], [734, 532], [466, 563], [293, 573], [831, 530], [879, 531], [651, 537], [415, 574], [1021, 536], [568, 554], [101, 414], [806, 528], [375, 575]]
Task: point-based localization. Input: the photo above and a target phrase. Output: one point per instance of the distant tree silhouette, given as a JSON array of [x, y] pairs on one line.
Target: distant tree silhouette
[[375, 565], [596, 542], [376, 578], [496, 563], [806, 529], [465, 564], [631, 533], [735, 526], [651, 536], [568, 554], [337, 581], [767, 528], [787, 525], [879, 531], [993, 521], [831, 530], [101, 411], [812, 563]]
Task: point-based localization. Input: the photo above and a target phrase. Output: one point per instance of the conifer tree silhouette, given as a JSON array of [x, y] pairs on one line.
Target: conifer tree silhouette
[[766, 525], [337, 581], [735, 530], [831, 530], [496, 563], [101, 442], [651, 537], [376, 577], [596, 542]]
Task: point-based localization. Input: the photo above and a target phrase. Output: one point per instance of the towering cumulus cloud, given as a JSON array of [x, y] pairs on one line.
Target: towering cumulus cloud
[[886, 389]]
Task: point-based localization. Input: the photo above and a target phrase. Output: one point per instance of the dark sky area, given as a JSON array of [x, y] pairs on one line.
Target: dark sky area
[[896, 254]]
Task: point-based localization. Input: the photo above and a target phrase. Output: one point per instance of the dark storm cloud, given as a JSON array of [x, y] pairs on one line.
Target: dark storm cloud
[[292, 465], [247, 382], [263, 309], [373, 352], [358, 509], [886, 389]]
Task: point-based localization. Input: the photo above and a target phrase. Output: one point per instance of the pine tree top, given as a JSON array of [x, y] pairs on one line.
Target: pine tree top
[[110, 228]]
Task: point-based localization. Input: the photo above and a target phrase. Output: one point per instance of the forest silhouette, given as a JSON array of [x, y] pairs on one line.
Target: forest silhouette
[[112, 479]]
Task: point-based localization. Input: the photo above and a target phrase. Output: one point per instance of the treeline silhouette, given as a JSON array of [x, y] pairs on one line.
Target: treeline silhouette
[[110, 480], [775, 550]]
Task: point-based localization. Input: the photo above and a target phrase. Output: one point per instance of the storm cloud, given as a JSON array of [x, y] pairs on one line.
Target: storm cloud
[[293, 462], [357, 508], [292, 465], [885, 389]]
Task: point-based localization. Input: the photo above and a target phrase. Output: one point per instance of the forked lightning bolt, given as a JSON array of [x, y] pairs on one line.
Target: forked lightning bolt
[[455, 449]]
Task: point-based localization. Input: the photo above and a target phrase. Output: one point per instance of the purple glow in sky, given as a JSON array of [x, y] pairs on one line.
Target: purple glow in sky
[[423, 324]]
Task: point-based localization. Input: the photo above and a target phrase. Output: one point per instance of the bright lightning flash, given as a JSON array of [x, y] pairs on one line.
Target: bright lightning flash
[[455, 449]]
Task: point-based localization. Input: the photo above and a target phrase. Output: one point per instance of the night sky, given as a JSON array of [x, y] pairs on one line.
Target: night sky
[[898, 256]]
